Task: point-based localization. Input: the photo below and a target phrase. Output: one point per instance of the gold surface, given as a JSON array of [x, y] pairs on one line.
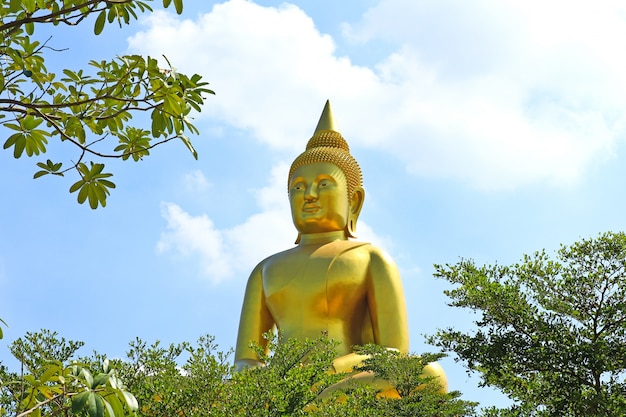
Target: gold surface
[[327, 284], [327, 119], [327, 145]]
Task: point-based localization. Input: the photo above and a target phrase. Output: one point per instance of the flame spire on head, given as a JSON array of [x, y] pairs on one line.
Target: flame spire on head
[[327, 120], [327, 145]]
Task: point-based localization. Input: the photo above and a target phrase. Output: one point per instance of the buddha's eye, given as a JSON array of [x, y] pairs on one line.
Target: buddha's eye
[[324, 183]]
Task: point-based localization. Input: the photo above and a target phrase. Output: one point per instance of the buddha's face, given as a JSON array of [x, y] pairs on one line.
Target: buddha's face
[[318, 194]]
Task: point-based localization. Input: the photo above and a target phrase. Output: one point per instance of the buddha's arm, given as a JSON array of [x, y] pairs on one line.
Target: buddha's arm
[[346, 363], [386, 303], [255, 320]]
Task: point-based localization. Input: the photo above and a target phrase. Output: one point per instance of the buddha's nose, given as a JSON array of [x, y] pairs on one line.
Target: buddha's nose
[[310, 194]]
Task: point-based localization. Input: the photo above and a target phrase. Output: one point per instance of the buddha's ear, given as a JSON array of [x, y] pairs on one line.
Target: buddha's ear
[[356, 203]]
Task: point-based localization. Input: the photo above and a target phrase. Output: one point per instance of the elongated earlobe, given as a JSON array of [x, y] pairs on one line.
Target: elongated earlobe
[[355, 209]]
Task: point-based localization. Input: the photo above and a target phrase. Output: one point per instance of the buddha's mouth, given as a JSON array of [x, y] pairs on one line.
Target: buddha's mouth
[[310, 209]]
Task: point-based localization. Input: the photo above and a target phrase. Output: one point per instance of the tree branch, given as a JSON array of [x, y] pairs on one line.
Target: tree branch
[[41, 404], [49, 18]]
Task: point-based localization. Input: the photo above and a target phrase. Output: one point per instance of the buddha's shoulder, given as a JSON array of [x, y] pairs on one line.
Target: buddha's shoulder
[[365, 247], [277, 258], [376, 255], [378, 252]]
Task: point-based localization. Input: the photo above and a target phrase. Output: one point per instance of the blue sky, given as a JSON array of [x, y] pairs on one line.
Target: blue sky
[[484, 129]]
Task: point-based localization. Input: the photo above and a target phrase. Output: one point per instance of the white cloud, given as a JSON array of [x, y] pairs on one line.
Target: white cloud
[[232, 253], [497, 94], [195, 181], [271, 68], [227, 253], [189, 235]]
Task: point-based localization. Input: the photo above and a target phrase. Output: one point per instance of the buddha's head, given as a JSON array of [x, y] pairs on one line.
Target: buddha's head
[[325, 183]]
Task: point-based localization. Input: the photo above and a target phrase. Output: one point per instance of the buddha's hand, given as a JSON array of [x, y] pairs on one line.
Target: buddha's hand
[[242, 364], [347, 363]]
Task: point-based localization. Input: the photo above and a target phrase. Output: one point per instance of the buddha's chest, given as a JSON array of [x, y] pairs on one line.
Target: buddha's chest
[[327, 280]]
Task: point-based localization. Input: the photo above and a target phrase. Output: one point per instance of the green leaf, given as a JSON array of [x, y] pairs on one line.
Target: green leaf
[[96, 169], [92, 194], [13, 126], [84, 170], [100, 193], [29, 5], [11, 140], [189, 146], [18, 141], [50, 371], [99, 406], [106, 183], [15, 6], [88, 377], [30, 122], [100, 21], [76, 186], [19, 147], [71, 75], [158, 123], [178, 4], [79, 401], [172, 104], [49, 392], [109, 408], [32, 380], [92, 406], [116, 405], [40, 174], [130, 399], [111, 14], [83, 194], [99, 379]]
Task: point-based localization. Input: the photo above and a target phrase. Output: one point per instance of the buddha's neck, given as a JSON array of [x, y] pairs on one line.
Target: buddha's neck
[[321, 238]]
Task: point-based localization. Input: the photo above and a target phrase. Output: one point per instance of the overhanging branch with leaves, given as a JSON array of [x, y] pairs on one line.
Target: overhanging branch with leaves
[[83, 108]]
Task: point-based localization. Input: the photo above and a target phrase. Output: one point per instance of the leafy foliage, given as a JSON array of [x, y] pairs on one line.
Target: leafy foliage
[[290, 384], [552, 333], [420, 395], [91, 110], [295, 372], [167, 385], [197, 380], [53, 383]]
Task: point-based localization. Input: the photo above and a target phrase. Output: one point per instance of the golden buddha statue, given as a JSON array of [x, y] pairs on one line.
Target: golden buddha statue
[[327, 284]]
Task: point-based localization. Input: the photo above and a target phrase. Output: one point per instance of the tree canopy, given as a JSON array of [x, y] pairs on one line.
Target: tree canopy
[[89, 110], [552, 332], [196, 379]]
